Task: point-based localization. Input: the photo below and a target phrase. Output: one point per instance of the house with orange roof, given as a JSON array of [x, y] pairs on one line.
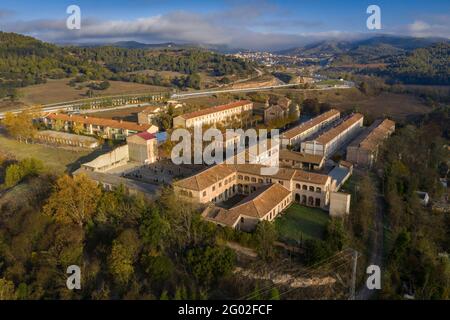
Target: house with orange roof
[[105, 128], [211, 116]]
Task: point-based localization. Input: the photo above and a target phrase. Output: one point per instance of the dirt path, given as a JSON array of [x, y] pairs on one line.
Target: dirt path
[[376, 251]]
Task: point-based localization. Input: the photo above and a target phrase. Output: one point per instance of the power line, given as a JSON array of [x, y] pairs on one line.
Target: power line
[[292, 289], [303, 273], [271, 286]]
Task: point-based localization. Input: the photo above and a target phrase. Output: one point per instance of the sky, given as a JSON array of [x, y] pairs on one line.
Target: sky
[[253, 24]]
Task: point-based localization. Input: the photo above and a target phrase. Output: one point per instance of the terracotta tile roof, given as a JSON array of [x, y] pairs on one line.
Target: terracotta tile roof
[[331, 134], [100, 122], [373, 136], [298, 130], [311, 177], [206, 111], [206, 178], [302, 157], [346, 164], [255, 169], [146, 135], [212, 175], [257, 205]]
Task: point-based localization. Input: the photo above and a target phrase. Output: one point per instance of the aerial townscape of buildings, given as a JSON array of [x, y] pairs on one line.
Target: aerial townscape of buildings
[[306, 174]]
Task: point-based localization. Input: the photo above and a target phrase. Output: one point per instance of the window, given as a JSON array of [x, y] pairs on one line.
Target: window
[[298, 186], [311, 189], [304, 187], [240, 177], [242, 219], [247, 178], [318, 190], [204, 193], [260, 180], [220, 184], [253, 179], [214, 188]]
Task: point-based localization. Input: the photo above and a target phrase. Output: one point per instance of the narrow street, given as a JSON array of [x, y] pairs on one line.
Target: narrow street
[[376, 251]]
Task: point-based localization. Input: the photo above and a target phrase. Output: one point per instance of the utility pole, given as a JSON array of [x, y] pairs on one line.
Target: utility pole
[[353, 286]]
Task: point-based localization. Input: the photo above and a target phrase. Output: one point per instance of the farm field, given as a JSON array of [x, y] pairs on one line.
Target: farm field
[[58, 91], [301, 223], [56, 160]]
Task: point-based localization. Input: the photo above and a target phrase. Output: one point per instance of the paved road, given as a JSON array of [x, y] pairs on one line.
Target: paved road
[[210, 93], [71, 104], [376, 252]]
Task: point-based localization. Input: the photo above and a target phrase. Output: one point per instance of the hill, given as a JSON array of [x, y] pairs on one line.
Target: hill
[[382, 49], [26, 61], [429, 66]]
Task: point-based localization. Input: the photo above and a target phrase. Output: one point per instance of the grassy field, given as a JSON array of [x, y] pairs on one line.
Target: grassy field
[[126, 114], [58, 91], [55, 159], [396, 106], [301, 223]]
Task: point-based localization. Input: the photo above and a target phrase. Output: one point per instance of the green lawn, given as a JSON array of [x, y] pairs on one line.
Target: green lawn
[[301, 223], [55, 159]]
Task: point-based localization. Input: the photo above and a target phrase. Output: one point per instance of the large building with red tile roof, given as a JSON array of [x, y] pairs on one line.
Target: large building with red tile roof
[[213, 115], [105, 128], [363, 150], [222, 182], [265, 204], [296, 135], [331, 140]]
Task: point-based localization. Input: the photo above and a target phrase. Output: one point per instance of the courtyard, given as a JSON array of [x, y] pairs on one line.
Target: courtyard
[[301, 223]]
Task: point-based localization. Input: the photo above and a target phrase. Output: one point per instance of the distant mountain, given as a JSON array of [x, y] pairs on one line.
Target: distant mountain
[[326, 47], [140, 45], [393, 45]]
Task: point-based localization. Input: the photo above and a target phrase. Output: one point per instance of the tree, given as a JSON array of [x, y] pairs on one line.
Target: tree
[[335, 235], [210, 263], [159, 268], [74, 200], [123, 254], [164, 295], [78, 128], [13, 175], [20, 126], [193, 81], [6, 290], [25, 168], [265, 236], [153, 229], [315, 251], [274, 294]]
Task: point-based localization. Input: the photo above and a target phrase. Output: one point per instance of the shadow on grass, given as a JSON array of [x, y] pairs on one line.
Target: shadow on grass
[[105, 148]]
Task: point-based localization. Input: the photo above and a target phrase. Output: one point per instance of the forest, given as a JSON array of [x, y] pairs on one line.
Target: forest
[[26, 61]]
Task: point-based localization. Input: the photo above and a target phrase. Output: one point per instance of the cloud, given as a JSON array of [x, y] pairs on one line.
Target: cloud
[[430, 26], [248, 26], [232, 28]]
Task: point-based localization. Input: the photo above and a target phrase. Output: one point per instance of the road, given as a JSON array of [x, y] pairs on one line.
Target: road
[[376, 251], [213, 92], [67, 106]]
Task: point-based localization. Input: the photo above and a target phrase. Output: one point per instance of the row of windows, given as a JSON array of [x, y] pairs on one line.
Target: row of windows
[[268, 180], [225, 182], [306, 188]]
